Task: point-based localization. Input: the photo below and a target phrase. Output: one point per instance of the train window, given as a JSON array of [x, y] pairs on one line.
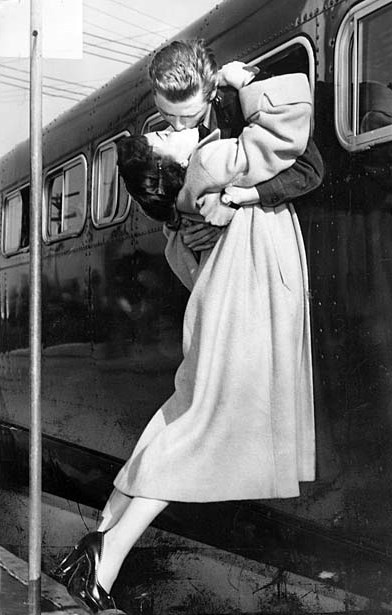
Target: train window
[[294, 56], [155, 122], [65, 200], [16, 221], [111, 200], [363, 84]]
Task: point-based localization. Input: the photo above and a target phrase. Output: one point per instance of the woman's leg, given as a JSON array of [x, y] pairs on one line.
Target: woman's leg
[[114, 509], [120, 538]]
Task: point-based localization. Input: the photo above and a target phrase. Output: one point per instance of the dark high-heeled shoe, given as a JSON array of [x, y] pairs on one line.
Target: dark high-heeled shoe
[[83, 585]]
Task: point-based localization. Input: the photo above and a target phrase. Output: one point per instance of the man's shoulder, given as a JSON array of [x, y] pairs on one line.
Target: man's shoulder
[[227, 105], [228, 112], [228, 98]]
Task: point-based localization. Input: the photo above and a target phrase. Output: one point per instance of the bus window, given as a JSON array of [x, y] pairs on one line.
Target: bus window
[[15, 226], [65, 193], [111, 201], [363, 82]]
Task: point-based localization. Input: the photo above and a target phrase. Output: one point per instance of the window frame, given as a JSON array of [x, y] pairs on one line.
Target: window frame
[[105, 222], [346, 69], [64, 166], [152, 123], [7, 196]]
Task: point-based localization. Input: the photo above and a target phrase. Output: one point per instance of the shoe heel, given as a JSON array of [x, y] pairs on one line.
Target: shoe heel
[[68, 565]]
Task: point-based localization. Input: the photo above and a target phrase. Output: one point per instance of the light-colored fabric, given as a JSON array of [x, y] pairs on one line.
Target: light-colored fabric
[[240, 423], [279, 111], [182, 260]]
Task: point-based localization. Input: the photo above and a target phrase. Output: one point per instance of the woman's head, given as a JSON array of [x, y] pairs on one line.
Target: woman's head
[[152, 179]]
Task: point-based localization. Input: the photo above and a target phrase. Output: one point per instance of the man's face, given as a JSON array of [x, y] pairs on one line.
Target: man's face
[[186, 114]]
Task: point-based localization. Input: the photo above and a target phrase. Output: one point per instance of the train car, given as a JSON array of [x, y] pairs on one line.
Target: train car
[[112, 310]]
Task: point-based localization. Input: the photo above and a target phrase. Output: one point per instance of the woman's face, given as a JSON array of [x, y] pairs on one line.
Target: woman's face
[[176, 145]]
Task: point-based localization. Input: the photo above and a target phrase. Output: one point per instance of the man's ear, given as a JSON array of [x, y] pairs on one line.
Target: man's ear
[[213, 94]]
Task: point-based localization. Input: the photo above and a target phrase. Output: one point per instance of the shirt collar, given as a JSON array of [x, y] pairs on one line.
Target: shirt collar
[[210, 120]]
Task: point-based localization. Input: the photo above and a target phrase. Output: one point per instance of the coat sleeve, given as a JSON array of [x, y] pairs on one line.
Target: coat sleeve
[[305, 175]]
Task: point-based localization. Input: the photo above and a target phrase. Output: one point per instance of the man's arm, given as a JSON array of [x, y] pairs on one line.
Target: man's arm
[[305, 175]]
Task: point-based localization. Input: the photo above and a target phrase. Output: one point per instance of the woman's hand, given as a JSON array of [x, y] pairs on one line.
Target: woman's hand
[[240, 196], [213, 211], [237, 74]]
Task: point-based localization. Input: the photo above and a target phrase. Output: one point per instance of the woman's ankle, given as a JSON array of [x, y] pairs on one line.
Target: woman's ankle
[[109, 564]]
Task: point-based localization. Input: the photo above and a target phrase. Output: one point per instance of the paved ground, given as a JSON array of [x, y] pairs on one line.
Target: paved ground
[[55, 600]]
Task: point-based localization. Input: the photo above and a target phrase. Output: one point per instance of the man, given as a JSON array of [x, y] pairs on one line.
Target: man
[[189, 91]]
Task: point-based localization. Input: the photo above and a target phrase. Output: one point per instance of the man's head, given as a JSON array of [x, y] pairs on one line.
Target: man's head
[[184, 77]]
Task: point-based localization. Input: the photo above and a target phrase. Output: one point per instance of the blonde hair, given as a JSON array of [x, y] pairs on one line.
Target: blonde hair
[[183, 68]]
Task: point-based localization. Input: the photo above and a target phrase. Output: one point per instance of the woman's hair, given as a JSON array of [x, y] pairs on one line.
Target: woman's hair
[[154, 181], [182, 68]]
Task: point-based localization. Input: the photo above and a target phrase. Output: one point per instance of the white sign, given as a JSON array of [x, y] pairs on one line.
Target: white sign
[[62, 29]]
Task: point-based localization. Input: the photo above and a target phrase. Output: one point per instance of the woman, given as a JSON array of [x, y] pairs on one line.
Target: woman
[[240, 422]]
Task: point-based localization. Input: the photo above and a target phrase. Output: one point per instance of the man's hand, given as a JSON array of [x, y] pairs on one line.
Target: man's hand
[[237, 74], [240, 196], [201, 236]]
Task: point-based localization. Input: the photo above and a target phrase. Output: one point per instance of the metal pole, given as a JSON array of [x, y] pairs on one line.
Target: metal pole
[[35, 307]]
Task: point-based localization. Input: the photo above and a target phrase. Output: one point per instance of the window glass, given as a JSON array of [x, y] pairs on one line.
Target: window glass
[[375, 77], [55, 200], [350, 90], [107, 184], [66, 199], [154, 123], [16, 221], [12, 223], [73, 215], [292, 59], [111, 200], [123, 198]]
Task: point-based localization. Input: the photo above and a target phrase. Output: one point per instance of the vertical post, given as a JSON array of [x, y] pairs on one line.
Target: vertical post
[[35, 307]]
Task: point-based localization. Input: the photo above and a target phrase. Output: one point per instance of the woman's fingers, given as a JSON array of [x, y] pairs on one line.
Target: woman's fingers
[[240, 196]]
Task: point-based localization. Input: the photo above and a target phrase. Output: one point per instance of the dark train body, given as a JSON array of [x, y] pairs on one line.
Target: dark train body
[[112, 310]]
